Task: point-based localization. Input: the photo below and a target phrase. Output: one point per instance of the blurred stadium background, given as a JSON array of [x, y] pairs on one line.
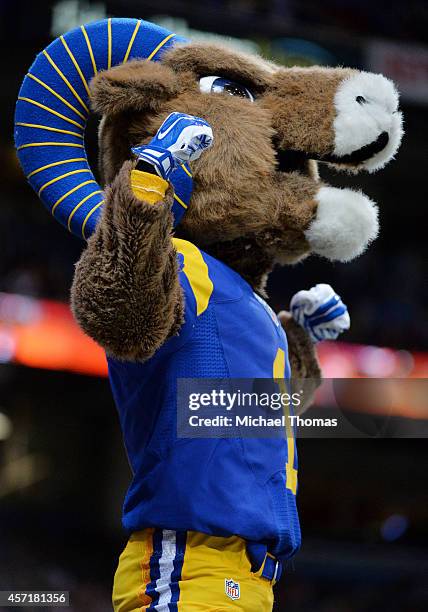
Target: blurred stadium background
[[63, 473]]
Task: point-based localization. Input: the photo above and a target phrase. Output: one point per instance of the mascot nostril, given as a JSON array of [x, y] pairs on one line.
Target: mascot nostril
[[170, 282]]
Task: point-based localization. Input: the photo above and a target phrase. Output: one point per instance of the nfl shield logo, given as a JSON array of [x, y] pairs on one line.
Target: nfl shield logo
[[231, 589]]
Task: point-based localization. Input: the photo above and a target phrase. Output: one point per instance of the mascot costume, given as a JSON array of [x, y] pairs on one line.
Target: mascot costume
[[208, 161]]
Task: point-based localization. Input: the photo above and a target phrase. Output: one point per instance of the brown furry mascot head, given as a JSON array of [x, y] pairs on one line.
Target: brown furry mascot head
[[257, 195]]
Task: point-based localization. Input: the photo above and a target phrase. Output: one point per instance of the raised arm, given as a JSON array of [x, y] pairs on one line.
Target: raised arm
[[126, 293]]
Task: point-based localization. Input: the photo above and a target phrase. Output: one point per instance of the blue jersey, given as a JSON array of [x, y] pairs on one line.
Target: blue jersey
[[226, 486]]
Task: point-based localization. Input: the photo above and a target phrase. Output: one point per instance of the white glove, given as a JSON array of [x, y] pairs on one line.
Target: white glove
[[321, 312]]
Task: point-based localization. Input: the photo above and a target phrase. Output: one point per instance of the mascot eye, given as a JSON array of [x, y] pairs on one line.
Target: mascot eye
[[215, 84]]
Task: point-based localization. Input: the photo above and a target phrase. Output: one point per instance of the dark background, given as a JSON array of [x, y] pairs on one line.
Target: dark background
[[63, 472]]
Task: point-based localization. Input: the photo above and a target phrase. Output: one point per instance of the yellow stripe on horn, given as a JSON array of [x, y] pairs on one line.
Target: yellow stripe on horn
[[91, 53], [62, 198], [90, 213], [131, 42], [160, 45], [52, 111], [51, 144], [76, 208], [76, 65], [109, 43], [50, 129], [58, 163], [54, 93], [66, 81], [58, 178]]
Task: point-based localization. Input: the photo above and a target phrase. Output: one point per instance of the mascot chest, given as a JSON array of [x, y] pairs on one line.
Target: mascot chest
[[229, 330]]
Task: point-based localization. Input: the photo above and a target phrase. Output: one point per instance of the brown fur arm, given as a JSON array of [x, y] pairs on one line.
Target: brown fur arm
[[126, 294], [303, 358]]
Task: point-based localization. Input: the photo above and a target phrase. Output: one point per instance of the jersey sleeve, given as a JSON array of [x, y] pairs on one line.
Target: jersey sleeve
[[197, 287]]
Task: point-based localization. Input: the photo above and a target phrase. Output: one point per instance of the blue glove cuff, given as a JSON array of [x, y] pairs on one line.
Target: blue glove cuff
[[161, 159], [181, 179]]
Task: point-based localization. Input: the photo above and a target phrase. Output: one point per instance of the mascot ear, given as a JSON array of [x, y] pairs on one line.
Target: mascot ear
[[139, 85], [53, 108]]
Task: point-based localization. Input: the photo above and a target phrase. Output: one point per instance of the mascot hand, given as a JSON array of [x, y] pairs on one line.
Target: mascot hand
[[321, 312], [181, 138]]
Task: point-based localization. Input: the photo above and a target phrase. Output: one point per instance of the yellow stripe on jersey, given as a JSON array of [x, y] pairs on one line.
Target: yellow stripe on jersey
[[186, 171], [196, 271], [183, 204], [133, 573], [278, 374], [279, 365]]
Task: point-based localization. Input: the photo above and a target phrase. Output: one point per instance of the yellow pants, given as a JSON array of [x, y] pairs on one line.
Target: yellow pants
[[172, 571]]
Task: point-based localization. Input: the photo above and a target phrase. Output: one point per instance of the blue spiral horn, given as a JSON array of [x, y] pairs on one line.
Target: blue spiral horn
[[53, 108]]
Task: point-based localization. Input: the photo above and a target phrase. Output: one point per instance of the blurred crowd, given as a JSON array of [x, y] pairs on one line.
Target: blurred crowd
[[381, 18]]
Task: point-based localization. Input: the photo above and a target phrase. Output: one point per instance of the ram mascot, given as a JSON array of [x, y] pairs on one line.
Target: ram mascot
[[209, 169]]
